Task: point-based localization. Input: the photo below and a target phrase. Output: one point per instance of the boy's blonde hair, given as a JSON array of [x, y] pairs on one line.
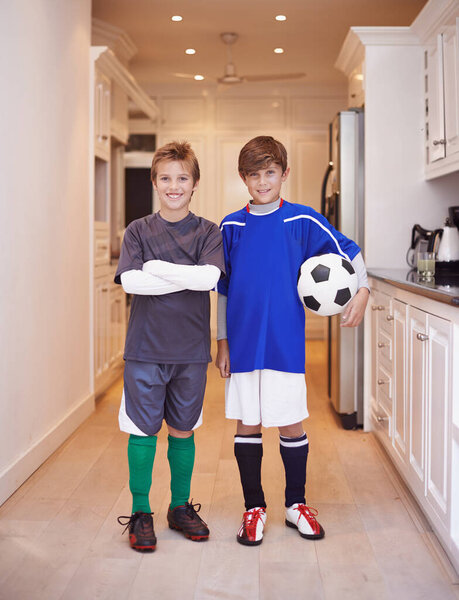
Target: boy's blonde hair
[[261, 151], [180, 151]]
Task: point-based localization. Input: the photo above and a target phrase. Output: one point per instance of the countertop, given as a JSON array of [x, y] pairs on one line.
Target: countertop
[[443, 289]]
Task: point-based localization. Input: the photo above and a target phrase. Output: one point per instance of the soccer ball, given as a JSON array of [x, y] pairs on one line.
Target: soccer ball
[[326, 283]]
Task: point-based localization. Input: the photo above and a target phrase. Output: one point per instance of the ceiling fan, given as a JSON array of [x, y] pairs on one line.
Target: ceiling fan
[[230, 75]]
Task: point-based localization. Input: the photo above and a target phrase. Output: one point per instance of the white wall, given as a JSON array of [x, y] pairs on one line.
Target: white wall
[[45, 388], [396, 193]]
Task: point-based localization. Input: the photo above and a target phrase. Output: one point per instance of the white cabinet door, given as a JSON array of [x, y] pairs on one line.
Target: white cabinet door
[[417, 398], [102, 117], [451, 85], [399, 410], [435, 95], [438, 343], [101, 326]]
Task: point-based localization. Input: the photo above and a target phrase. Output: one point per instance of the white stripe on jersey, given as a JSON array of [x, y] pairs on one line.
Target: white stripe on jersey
[[323, 227], [232, 223]]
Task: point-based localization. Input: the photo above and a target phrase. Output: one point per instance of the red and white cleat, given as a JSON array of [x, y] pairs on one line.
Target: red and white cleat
[[303, 518], [251, 530]]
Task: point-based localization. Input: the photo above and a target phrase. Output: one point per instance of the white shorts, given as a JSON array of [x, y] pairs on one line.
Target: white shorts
[[272, 398]]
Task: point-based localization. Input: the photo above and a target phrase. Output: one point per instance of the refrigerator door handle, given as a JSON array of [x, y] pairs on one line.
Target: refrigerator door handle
[[323, 197]]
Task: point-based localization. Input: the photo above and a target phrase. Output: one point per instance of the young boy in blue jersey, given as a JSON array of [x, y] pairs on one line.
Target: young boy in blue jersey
[[261, 343], [169, 261]]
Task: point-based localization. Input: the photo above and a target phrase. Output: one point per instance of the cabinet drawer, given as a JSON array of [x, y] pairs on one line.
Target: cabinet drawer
[[101, 243], [384, 388], [386, 319], [382, 420], [384, 344]]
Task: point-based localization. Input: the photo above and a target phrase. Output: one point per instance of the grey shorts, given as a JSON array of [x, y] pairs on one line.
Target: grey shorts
[[153, 392]]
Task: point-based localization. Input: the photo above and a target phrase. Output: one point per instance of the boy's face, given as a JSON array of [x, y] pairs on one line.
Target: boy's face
[[174, 185], [265, 185]]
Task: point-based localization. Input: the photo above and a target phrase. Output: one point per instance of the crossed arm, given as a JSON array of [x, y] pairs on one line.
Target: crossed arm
[[159, 277]]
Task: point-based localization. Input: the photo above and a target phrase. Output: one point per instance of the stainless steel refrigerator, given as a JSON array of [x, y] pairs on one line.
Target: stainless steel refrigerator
[[342, 204]]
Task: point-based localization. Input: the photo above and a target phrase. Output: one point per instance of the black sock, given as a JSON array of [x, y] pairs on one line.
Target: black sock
[[248, 450], [294, 452]]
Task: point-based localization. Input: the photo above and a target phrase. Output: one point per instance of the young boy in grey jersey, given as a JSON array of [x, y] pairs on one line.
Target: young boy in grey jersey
[[169, 261]]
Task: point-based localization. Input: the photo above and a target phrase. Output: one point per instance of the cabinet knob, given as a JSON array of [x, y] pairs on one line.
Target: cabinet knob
[[377, 307], [389, 317], [105, 289], [422, 337], [382, 344], [381, 419], [381, 381], [439, 142], [105, 137]]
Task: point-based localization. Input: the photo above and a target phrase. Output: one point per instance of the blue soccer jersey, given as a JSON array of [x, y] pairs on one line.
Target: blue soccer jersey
[[263, 254]]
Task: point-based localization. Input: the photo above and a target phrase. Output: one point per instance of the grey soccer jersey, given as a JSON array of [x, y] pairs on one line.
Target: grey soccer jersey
[[172, 328]]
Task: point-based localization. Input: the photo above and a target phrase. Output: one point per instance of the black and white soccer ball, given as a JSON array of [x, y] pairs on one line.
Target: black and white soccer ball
[[326, 284]]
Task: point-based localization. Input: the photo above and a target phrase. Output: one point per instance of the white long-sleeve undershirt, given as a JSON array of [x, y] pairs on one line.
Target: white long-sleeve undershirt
[[359, 268], [160, 277]]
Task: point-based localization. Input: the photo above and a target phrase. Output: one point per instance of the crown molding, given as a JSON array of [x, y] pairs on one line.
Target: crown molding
[[353, 50], [104, 34], [111, 66], [434, 14]]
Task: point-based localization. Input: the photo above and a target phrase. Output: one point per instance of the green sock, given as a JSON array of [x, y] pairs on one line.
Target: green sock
[[141, 455], [181, 460]]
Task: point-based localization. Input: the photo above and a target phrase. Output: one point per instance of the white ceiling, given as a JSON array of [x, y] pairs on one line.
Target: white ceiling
[[311, 36]]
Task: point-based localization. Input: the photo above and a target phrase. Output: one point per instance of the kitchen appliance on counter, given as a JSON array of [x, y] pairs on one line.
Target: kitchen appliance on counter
[[342, 203], [422, 240], [448, 251]]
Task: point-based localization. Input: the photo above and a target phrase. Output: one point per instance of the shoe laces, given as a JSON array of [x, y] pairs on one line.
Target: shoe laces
[[193, 509], [251, 518], [131, 519], [308, 512]]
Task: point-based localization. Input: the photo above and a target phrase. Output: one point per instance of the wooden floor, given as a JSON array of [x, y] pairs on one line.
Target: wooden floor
[[59, 538]]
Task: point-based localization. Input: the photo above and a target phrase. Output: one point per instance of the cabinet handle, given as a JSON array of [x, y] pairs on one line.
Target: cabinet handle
[[103, 247], [382, 345], [381, 419], [105, 289], [377, 307], [105, 137], [389, 317], [439, 142], [422, 337], [381, 381]]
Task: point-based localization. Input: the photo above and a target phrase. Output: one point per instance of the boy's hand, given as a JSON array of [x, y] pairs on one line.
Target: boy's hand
[[354, 311], [222, 362]]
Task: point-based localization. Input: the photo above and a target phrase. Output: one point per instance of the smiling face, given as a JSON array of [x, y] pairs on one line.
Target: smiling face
[[265, 185], [174, 185]]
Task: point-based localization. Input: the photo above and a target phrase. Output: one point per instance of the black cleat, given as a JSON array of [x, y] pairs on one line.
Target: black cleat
[[141, 532], [186, 519]]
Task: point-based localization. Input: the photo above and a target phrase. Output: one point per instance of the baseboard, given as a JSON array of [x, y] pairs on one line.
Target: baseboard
[[22, 468]]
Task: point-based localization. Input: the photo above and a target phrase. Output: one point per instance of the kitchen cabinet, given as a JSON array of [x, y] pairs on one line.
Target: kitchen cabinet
[[109, 329], [441, 100], [102, 101], [412, 395]]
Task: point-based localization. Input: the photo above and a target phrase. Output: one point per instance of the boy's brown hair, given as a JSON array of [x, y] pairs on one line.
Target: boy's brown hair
[[180, 151], [261, 151]]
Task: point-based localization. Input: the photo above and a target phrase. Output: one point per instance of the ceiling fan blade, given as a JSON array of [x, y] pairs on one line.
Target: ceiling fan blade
[[274, 77]]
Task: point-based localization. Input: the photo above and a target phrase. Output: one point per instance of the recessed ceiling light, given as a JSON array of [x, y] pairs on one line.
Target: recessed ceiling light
[[281, 18], [199, 77], [176, 18], [278, 50], [190, 51]]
